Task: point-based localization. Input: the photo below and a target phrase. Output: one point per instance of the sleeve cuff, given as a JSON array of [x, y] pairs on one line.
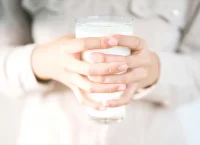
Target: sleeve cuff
[[19, 70]]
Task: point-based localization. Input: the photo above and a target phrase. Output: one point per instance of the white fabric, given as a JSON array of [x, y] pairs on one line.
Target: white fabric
[[17, 77]]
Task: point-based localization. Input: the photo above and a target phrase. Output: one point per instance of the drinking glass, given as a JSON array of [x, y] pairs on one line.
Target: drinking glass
[[98, 26]]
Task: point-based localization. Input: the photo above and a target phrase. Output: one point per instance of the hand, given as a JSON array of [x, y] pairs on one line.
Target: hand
[[143, 68], [60, 60]]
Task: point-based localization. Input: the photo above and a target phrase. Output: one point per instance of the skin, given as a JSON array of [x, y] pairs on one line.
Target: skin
[[60, 60]]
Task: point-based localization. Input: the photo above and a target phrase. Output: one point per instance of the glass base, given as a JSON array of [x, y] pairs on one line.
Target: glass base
[[106, 120]]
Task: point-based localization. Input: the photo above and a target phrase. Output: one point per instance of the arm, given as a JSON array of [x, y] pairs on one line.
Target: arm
[[179, 79], [16, 77], [180, 72]]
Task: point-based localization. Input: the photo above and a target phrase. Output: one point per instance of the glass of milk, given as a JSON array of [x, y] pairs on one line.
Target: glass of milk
[[98, 26]]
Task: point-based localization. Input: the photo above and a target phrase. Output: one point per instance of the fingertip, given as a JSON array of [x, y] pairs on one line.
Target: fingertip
[[112, 41]]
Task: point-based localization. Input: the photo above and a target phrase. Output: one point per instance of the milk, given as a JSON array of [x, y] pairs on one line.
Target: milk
[[99, 29]]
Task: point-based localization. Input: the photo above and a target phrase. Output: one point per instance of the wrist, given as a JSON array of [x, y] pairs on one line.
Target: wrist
[[154, 69], [39, 63]]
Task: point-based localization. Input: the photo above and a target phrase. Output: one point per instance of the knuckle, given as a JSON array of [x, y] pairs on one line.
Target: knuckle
[[110, 89], [103, 58], [116, 88], [89, 71], [101, 79], [100, 58], [102, 43], [113, 89], [112, 69]]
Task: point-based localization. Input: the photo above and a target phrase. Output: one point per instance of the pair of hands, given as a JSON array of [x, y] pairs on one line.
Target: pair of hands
[[60, 60]]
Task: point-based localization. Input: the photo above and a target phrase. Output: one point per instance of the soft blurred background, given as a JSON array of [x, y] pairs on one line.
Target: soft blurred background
[[9, 109]]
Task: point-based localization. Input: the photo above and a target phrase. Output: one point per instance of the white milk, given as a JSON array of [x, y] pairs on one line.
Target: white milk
[[99, 29]]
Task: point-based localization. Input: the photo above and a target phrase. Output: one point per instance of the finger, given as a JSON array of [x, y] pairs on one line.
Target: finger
[[140, 59], [87, 101], [76, 92], [84, 68], [132, 42], [125, 98], [90, 87], [131, 76], [81, 44]]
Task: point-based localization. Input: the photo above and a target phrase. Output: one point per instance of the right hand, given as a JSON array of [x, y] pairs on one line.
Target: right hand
[[60, 60]]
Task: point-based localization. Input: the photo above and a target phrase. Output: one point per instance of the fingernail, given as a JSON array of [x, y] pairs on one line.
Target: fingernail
[[123, 67], [122, 88], [112, 41]]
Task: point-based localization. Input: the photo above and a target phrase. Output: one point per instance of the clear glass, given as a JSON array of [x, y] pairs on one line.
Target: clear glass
[[98, 26]]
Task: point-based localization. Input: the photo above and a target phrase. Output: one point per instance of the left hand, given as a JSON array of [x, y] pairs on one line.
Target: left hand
[[142, 63]]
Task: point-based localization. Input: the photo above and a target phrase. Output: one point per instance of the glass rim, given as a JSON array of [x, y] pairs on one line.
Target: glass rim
[[122, 20]]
